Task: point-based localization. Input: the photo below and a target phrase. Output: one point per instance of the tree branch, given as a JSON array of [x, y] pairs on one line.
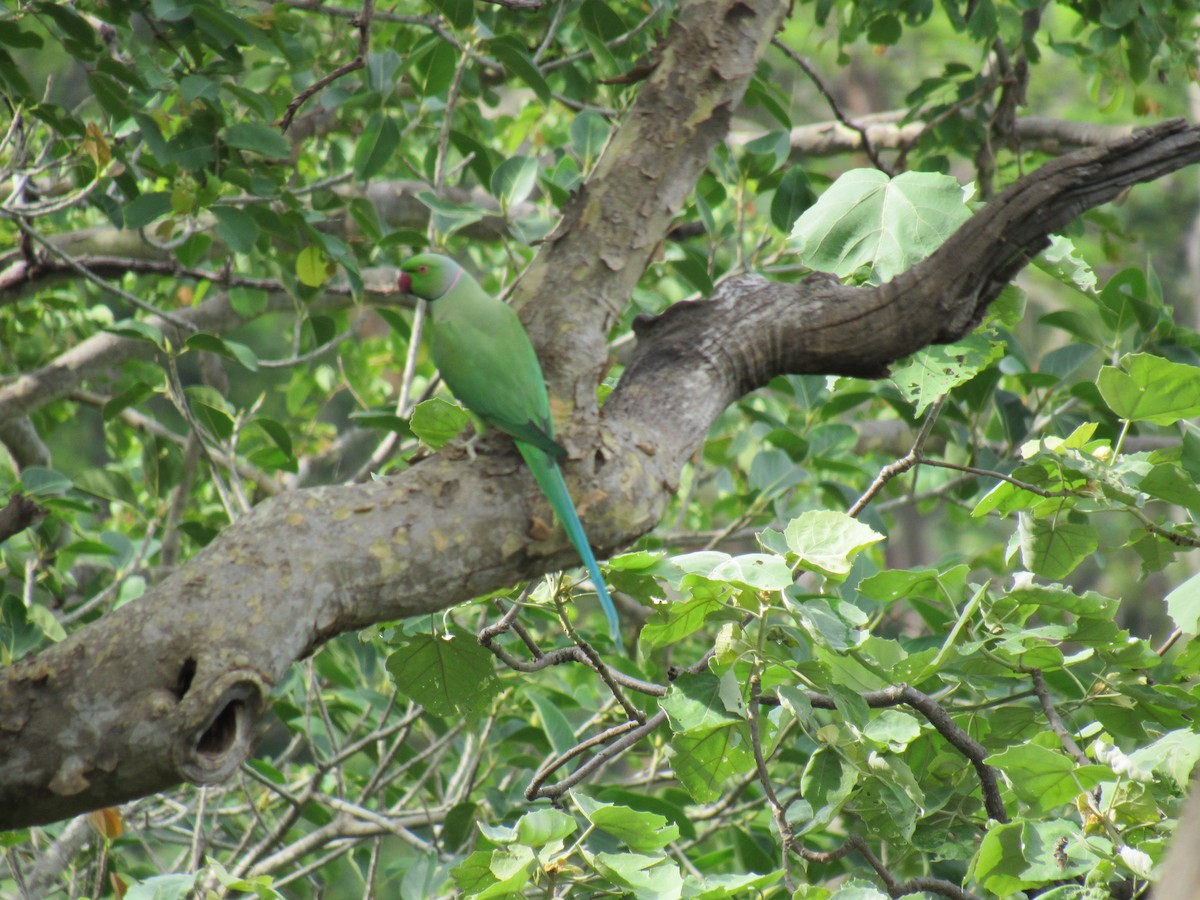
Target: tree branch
[[302, 567], [18, 514]]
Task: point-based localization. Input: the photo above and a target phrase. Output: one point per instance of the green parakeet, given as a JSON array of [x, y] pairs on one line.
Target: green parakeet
[[486, 359]]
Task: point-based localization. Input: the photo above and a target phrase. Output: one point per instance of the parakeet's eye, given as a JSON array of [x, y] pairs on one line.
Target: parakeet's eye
[[422, 270]]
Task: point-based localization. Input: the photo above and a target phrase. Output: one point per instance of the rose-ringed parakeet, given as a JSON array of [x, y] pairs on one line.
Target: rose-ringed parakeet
[[486, 359]]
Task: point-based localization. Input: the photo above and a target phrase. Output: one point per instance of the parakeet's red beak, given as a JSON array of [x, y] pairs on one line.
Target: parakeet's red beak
[[405, 283]]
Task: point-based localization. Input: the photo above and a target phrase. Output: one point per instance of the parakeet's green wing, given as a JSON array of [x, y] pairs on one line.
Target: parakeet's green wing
[[486, 359]]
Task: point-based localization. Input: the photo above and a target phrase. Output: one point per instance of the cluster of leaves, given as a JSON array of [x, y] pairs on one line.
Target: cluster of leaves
[[801, 708]]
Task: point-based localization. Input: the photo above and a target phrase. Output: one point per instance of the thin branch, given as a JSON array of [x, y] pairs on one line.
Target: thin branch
[[536, 791], [363, 23], [940, 719], [825, 92], [1056, 722], [91, 276], [562, 656], [902, 465], [897, 888], [519, 5], [988, 473]]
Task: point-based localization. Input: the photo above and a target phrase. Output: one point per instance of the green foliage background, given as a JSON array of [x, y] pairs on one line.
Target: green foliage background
[[811, 706]]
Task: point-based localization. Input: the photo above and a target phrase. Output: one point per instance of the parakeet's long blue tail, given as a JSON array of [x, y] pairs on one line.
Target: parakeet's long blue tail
[[550, 479]]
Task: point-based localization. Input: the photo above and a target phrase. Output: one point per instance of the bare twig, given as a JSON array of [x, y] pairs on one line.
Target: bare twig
[[902, 465], [937, 716], [819, 83], [536, 791], [91, 276], [1052, 716], [363, 23], [519, 5]]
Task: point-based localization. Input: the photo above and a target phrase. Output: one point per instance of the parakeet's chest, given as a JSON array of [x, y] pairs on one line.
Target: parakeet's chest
[[486, 359]]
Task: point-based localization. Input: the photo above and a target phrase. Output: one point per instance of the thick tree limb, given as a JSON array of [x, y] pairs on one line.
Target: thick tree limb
[[78, 730]]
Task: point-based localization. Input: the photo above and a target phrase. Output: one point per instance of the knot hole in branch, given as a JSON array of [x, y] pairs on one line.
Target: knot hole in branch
[[212, 750]]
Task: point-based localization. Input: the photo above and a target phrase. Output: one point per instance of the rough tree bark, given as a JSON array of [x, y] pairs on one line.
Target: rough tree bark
[[78, 732]]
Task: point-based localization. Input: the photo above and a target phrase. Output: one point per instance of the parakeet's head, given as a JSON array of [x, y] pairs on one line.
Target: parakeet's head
[[428, 275]]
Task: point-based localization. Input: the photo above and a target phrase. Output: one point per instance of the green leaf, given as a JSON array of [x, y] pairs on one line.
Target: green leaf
[[600, 19], [276, 432], [1054, 547], [109, 484], [1183, 606], [314, 267], [1045, 779], [757, 571], [694, 703], [376, 147], [827, 540], [449, 674], [513, 56], [38, 481], [127, 398], [938, 368], [494, 873], [642, 832], [235, 228], [132, 328], [163, 887], [459, 13], [542, 826], [514, 179], [1174, 754], [827, 783], [80, 36], [589, 134], [645, 876], [556, 725], [143, 210], [792, 197], [1151, 389], [891, 585], [211, 409], [705, 602], [704, 759], [18, 85], [385, 419], [885, 30], [866, 219], [1024, 854], [436, 422], [893, 728], [262, 139], [1171, 483], [431, 66], [449, 217], [13, 35], [1061, 260], [823, 624], [210, 343]]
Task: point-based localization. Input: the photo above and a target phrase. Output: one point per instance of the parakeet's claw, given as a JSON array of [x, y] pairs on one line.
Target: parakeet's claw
[[469, 446], [466, 445]]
